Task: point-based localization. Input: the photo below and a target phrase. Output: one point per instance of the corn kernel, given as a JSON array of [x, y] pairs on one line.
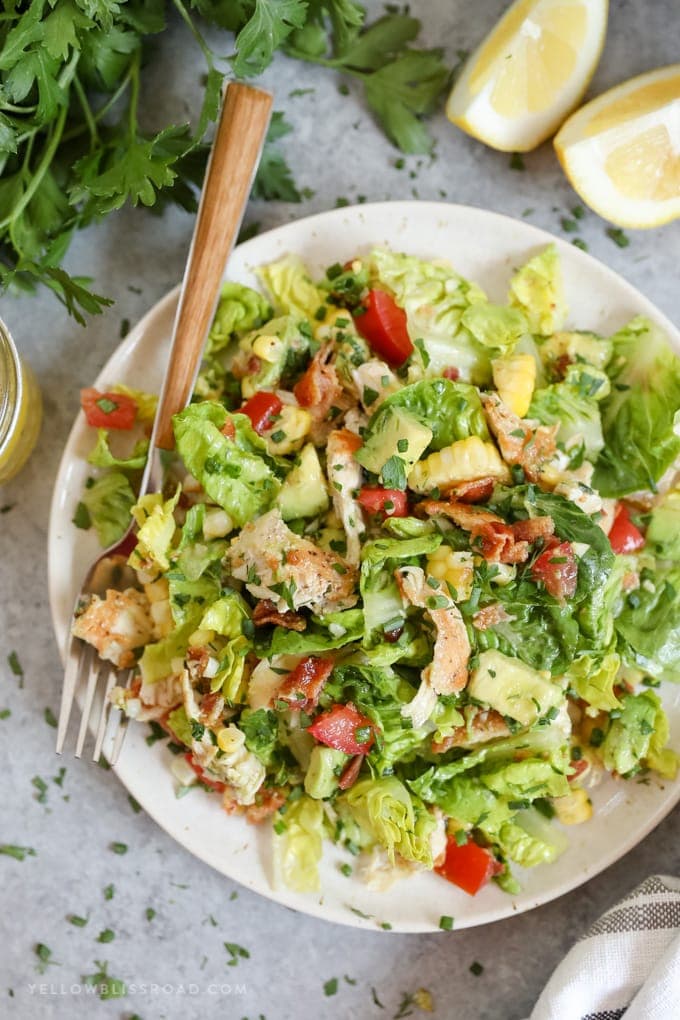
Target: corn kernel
[[269, 348], [157, 591], [574, 809], [217, 523], [514, 377], [289, 431], [454, 568], [463, 461]]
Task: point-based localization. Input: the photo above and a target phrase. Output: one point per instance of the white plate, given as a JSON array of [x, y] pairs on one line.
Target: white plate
[[485, 247]]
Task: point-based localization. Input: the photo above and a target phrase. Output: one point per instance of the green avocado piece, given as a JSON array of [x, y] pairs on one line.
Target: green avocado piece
[[398, 434], [304, 493], [513, 688]]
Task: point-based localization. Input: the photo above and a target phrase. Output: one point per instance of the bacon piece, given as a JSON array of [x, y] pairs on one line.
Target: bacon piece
[[489, 616], [212, 706], [302, 687], [318, 390], [518, 442], [479, 491], [266, 612], [267, 801], [350, 773], [489, 534], [484, 726], [465, 516], [533, 528]]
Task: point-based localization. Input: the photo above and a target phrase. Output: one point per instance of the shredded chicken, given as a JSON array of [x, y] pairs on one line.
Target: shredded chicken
[[344, 476], [489, 616], [116, 625], [145, 702], [447, 673], [484, 725], [265, 612], [267, 553], [530, 448], [267, 802], [318, 390]]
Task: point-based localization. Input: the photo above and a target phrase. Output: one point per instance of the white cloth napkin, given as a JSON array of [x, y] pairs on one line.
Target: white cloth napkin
[[627, 964]]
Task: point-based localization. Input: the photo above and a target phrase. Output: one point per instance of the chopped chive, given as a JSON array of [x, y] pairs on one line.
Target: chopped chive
[[119, 848], [50, 718], [446, 922]]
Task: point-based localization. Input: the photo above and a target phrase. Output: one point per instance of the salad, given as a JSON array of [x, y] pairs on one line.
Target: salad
[[414, 574]]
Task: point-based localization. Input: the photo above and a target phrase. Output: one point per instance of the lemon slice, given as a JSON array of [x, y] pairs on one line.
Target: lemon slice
[[529, 72], [621, 152]]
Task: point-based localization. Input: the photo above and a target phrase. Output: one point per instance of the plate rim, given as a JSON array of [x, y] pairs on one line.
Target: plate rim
[[530, 234]]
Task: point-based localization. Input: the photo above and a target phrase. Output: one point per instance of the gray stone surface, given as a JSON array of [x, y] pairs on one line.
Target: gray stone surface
[[337, 151]]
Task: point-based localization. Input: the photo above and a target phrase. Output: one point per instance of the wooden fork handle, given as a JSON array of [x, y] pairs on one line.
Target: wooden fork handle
[[236, 150]]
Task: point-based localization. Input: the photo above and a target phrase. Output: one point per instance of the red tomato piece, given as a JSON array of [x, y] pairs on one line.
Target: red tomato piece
[[579, 767], [344, 728], [108, 410], [214, 784], [451, 373], [260, 409], [386, 502], [383, 324], [557, 569], [468, 866], [624, 536]]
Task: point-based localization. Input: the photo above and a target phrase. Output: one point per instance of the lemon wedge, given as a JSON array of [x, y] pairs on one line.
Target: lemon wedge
[[621, 151], [529, 72]]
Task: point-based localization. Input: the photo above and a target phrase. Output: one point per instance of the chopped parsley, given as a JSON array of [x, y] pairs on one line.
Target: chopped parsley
[[107, 935], [617, 235], [149, 913], [77, 921], [330, 987], [517, 161], [109, 891], [118, 848], [476, 968], [446, 922], [19, 853], [236, 953], [50, 717], [16, 667]]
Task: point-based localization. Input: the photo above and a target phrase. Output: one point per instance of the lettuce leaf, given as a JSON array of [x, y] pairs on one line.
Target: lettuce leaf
[[495, 326], [537, 290], [299, 846], [101, 456], [189, 598], [641, 417], [316, 638], [109, 500], [236, 474], [629, 738], [239, 308], [452, 410], [577, 416], [593, 678], [157, 659], [195, 554], [663, 533], [399, 822], [156, 523], [649, 635], [523, 848], [180, 725], [291, 288], [146, 402]]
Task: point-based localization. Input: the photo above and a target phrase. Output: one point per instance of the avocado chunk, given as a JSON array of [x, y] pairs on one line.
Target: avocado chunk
[[397, 434], [304, 493], [663, 534], [513, 688], [325, 766]]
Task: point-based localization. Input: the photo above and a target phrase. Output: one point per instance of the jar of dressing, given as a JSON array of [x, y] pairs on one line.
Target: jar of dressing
[[20, 409]]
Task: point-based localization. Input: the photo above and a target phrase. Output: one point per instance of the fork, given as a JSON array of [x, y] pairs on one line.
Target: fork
[[235, 154]]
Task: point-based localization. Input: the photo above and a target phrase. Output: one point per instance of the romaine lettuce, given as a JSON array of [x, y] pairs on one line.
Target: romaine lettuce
[[495, 326], [628, 742], [593, 678], [109, 501], [578, 417], [399, 822], [239, 308], [663, 533], [101, 456], [641, 417], [298, 845], [452, 410], [537, 290], [156, 524], [235, 473], [291, 288], [649, 635]]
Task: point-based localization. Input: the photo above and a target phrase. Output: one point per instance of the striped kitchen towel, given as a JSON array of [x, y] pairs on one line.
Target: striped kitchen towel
[[626, 965]]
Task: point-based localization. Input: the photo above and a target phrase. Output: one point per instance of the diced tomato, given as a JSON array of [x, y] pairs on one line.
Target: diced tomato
[[468, 866], [228, 429], [260, 409], [386, 502], [214, 784], [557, 569], [451, 373], [383, 324], [579, 767], [108, 410], [344, 728], [302, 687], [624, 536]]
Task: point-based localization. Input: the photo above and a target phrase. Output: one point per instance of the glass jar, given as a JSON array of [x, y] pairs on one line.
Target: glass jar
[[20, 409]]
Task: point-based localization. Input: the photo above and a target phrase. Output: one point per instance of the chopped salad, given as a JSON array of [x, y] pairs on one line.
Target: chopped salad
[[414, 575]]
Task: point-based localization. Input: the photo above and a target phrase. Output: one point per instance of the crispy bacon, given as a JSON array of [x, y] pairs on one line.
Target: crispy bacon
[[319, 389], [211, 708], [266, 612], [489, 616], [465, 516], [351, 771], [484, 726], [479, 491], [533, 528], [267, 801], [302, 687], [495, 540]]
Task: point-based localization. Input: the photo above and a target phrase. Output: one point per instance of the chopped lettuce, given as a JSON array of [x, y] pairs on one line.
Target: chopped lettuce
[[593, 678], [537, 290], [452, 410], [196, 554], [578, 416], [158, 659], [318, 639], [156, 524], [236, 474], [291, 288], [628, 742], [649, 635], [101, 456], [226, 615], [188, 598], [180, 725], [495, 326], [641, 417], [298, 845], [240, 308], [276, 349], [394, 818], [524, 848], [663, 533], [109, 501], [434, 298]]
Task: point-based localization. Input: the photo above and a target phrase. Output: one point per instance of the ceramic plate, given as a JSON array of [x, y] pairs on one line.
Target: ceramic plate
[[485, 247]]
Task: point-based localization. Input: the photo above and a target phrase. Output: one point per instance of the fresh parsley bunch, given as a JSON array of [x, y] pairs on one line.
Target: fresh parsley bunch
[[72, 149]]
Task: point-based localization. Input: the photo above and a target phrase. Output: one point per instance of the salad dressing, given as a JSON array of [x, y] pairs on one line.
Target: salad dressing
[[20, 409]]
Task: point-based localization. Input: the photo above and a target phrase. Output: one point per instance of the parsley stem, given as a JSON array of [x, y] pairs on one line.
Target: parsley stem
[[134, 95], [102, 111], [87, 112], [40, 171], [186, 18]]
